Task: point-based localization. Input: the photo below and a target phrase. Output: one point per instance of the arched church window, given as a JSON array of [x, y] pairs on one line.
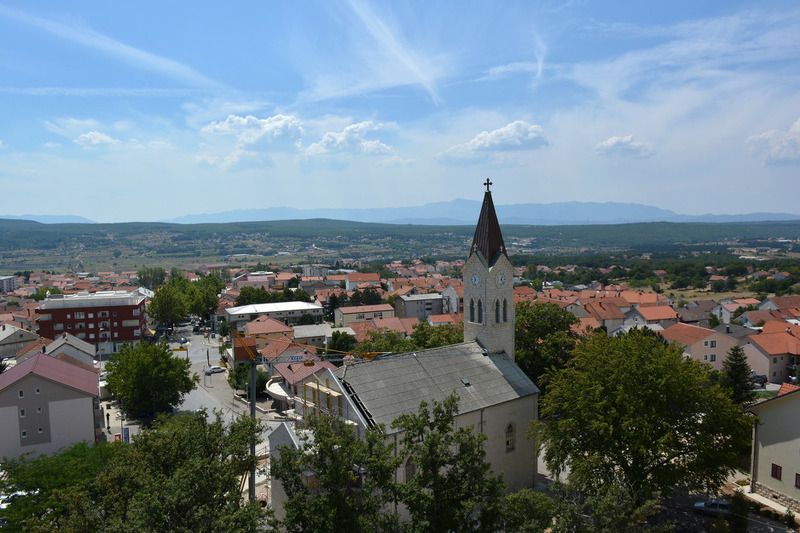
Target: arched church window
[[480, 311], [472, 310], [505, 310], [497, 312], [511, 438], [410, 470]]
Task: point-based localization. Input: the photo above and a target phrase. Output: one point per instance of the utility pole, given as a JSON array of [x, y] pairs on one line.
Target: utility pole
[[252, 396]]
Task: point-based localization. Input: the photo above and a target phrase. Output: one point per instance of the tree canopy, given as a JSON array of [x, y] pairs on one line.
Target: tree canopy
[[149, 378], [348, 479], [544, 340], [452, 486], [168, 305], [631, 411], [181, 475]]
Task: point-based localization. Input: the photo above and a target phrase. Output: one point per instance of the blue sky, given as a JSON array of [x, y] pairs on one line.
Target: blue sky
[[152, 110]]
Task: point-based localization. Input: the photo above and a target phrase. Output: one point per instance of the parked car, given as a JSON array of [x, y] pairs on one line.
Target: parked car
[[184, 340], [758, 379], [214, 369], [712, 507]]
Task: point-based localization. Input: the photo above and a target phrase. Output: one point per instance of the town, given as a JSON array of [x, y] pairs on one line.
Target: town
[[360, 352]]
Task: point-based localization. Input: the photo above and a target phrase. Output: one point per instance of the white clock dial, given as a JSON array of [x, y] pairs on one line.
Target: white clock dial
[[476, 279], [501, 279]]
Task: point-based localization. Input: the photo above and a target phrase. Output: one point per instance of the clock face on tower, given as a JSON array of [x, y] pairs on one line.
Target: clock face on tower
[[476, 279], [501, 279]]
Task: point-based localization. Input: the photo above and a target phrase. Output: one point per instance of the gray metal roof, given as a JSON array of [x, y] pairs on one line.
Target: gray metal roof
[[393, 385]]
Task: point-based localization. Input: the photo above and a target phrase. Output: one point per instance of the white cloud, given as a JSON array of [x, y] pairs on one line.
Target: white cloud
[[351, 140], [516, 136], [775, 147], [93, 139], [625, 147], [250, 129], [2, 144]]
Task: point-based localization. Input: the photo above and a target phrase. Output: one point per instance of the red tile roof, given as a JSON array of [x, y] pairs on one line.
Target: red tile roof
[[686, 333]]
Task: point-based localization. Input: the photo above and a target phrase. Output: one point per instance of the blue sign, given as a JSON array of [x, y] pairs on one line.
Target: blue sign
[[126, 434], [296, 358]]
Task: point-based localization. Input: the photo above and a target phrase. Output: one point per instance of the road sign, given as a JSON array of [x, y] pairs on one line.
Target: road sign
[[126, 434], [117, 437], [180, 349]]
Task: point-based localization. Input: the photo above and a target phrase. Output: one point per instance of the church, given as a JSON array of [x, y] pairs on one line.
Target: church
[[495, 396]]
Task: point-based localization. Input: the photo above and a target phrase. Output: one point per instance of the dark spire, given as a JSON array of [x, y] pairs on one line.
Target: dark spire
[[488, 239]]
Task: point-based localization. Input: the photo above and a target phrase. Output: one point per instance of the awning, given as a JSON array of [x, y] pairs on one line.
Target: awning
[[278, 390]]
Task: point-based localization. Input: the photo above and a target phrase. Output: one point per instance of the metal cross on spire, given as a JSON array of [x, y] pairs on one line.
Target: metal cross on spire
[[487, 183]]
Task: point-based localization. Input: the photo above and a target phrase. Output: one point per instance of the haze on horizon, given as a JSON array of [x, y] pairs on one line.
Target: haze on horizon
[[150, 111]]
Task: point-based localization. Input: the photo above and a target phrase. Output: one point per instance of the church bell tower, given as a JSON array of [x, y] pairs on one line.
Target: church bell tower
[[488, 285]]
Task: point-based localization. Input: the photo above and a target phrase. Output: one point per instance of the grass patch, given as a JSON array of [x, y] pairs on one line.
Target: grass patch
[[764, 394]]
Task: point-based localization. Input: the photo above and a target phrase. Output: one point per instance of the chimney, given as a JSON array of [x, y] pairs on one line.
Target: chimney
[[727, 329]]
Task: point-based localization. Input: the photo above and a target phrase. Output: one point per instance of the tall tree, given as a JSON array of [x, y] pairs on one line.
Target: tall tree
[[544, 339], [632, 411], [341, 343], [452, 486], [151, 278], [168, 305], [736, 376], [347, 479], [149, 378]]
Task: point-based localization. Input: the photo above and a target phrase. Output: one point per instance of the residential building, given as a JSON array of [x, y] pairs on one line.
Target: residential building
[[13, 339], [419, 306], [8, 284], [701, 344], [46, 404], [773, 354], [640, 317], [287, 312], [774, 468], [343, 316], [105, 319]]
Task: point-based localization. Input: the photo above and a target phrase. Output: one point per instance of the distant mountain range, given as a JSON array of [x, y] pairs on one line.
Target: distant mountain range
[[460, 212]]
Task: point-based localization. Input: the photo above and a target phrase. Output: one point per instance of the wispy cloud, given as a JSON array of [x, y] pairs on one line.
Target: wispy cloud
[[2, 144], [376, 57], [70, 127], [101, 91], [80, 33], [625, 147], [351, 139], [516, 136], [775, 147]]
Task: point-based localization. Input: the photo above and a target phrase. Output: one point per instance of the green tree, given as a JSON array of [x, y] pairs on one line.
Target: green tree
[[452, 485], [714, 321], [426, 336], [224, 328], [341, 343], [149, 378], [182, 474], [370, 297], [306, 320], [151, 278], [738, 518], [735, 376], [168, 305], [544, 339], [41, 294], [240, 378], [384, 342], [527, 511], [347, 479], [632, 411]]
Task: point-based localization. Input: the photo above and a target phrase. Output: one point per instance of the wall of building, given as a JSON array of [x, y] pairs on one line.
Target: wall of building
[[777, 443]]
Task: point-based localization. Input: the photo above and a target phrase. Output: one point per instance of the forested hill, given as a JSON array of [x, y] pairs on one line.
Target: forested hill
[[327, 240]]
